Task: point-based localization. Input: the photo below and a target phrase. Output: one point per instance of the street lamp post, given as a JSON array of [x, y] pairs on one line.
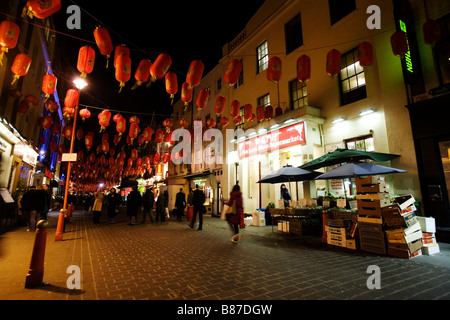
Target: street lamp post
[[80, 84]]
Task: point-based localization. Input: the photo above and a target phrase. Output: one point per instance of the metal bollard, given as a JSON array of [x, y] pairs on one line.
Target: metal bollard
[[36, 271]]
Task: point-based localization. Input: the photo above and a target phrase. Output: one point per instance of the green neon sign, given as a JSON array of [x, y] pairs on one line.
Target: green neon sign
[[408, 60]]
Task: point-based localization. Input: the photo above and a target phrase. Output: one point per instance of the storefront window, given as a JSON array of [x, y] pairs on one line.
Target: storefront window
[[361, 143]]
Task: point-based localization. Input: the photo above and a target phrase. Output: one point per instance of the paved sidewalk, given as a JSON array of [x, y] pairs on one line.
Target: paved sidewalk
[[170, 261]]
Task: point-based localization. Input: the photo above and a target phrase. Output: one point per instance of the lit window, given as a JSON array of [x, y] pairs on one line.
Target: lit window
[[352, 82], [298, 94], [262, 56]]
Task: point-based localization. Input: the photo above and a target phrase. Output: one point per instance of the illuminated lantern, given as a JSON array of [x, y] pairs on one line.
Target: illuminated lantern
[[237, 120], [79, 134], [71, 99], [86, 59], [116, 117], [303, 68], [202, 99], [134, 119], [224, 121], [260, 113], [399, 43], [68, 112], [160, 66], [116, 139], [333, 65], [103, 119], [56, 128], [42, 9], [32, 100], [9, 34], [49, 85], [186, 93], [23, 107], [130, 162], [195, 72], [168, 138], [183, 123], [166, 157], [123, 70], [88, 140], [274, 69], [157, 158], [141, 139], [365, 54], [142, 73], [431, 32], [268, 112], [148, 133], [104, 43], [138, 162], [20, 66], [51, 106], [210, 122], [219, 107], [134, 154], [67, 132], [278, 111], [248, 111], [171, 84], [105, 146], [233, 71], [111, 161], [85, 114], [134, 131], [120, 50], [159, 135], [47, 122], [167, 124], [105, 137], [235, 107]]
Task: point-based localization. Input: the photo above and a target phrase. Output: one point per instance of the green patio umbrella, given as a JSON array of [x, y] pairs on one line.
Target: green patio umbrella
[[347, 155]]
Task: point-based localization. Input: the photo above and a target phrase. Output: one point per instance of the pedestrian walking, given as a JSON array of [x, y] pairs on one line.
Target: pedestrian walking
[[44, 197], [160, 214], [166, 204], [87, 202], [114, 201], [234, 219], [26, 207], [97, 207], [148, 200], [284, 194], [134, 203], [180, 203], [198, 199]]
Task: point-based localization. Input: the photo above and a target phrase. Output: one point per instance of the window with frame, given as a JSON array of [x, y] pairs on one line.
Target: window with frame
[[340, 8], [352, 81], [363, 143], [293, 34], [262, 54], [241, 125], [298, 94], [264, 100]]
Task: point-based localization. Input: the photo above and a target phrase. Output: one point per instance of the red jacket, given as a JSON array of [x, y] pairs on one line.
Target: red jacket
[[236, 196]]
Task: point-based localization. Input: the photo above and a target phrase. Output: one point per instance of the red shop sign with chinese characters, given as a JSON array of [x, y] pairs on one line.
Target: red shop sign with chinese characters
[[274, 140]]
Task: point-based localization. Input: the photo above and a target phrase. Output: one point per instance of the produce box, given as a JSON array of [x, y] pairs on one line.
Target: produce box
[[405, 201], [406, 254], [427, 224], [431, 249]]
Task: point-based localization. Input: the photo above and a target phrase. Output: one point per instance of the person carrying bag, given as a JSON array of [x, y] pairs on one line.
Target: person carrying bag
[[234, 212]]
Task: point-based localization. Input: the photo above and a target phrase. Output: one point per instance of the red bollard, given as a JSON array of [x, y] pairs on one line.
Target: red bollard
[[60, 226], [324, 220], [36, 271]]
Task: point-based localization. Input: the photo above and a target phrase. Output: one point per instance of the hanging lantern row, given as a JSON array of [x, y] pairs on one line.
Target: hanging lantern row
[[41, 9]]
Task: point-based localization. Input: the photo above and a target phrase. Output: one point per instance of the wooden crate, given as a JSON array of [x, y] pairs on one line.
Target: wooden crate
[[371, 207], [371, 184], [296, 227], [370, 219], [372, 238]]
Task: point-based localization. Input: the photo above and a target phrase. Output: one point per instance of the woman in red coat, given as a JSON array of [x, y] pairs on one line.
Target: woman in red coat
[[235, 219]]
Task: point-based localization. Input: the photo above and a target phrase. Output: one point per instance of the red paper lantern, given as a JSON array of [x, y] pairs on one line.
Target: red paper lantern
[[104, 43], [148, 133], [105, 146], [237, 120], [85, 114], [56, 128], [303, 68], [186, 93], [134, 154], [142, 73], [219, 107], [20, 66], [171, 84], [51, 106], [224, 121], [248, 112], [120, 50], [15, 93], [71, 99], [233, 71], [160, 66], [134, 131], [167, 124], [260, 113], [9, 35], [79, 134], [274, 69], [235, 107], [134, 119], [195, 72], [202, 99], [333, 65], [365, 54], [123, 70], [183, 123], [431, 32], [157, 158], [103, 119], [399, 43], [116, 139], [47, 122], [86, 59], [68, 112], [278, 111], [42, 9], [49, 85], [159, 135], [67, 132], [166, 157], [210, 122], [268, 112]]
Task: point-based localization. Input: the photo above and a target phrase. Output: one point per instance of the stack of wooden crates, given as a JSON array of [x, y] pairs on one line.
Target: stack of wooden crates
[[372, 196]]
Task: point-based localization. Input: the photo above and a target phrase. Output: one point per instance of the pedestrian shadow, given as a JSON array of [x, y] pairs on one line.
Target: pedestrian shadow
[[58, 289]]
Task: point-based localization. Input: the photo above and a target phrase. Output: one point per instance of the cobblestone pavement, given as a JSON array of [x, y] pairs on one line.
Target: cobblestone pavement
[[170, 261]]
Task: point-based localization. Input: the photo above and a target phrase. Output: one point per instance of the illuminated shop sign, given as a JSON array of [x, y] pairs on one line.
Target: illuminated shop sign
[[274, 140]]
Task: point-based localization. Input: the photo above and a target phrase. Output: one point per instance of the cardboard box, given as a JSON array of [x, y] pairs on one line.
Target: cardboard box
[[248, 221], [405, 201], [261, 222], [403, 253], [428, 238], [427, 224], [432, 249]]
